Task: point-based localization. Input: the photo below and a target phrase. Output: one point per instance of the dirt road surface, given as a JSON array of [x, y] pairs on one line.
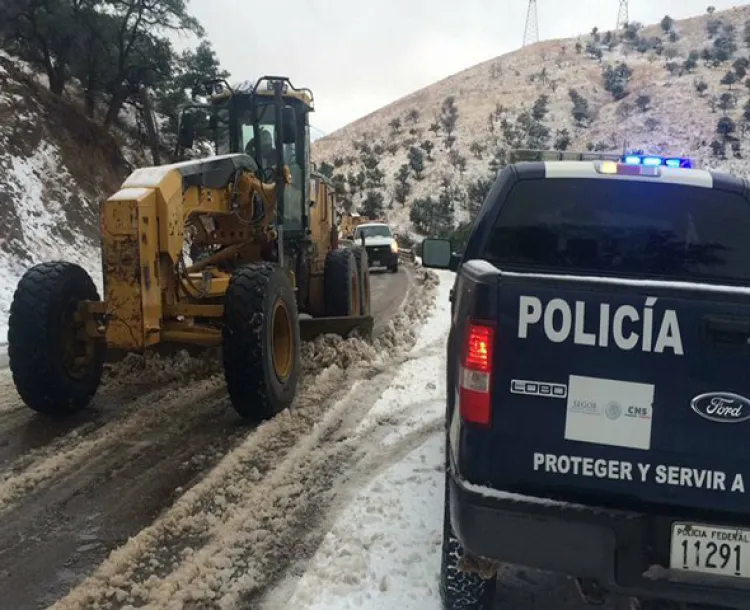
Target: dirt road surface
[[162, 441]]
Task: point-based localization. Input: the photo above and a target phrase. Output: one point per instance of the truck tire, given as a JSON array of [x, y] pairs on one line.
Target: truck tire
[[56, 371], [342, 287], [260, 341], [460, 590], [393, 268], [363, 267]]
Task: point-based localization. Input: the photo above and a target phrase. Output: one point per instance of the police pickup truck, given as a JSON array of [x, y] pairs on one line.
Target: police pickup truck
[[598, 375]]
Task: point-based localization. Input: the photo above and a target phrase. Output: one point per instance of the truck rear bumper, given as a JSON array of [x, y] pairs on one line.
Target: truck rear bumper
[[626, 552]]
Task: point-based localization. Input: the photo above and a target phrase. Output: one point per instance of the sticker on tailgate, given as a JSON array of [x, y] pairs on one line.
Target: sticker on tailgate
[[609, 412]]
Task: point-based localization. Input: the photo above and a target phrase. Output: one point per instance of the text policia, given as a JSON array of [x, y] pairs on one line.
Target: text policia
[[621, 470]]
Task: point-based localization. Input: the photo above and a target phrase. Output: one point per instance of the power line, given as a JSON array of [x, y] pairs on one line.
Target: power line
[[622, 15], [531, 31]]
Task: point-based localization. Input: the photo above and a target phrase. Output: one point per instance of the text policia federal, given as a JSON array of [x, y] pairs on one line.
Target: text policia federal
[[640, 472]]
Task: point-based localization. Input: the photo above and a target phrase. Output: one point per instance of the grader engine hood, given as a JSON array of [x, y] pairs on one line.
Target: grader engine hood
[[143, 238]]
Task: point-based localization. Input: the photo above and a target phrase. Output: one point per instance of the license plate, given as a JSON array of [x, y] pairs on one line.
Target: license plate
[[721, 551]]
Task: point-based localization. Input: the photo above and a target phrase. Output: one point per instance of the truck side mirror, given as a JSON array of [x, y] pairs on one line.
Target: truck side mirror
[[438, 254]]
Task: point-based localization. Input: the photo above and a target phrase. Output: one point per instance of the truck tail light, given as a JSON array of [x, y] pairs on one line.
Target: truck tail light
[[475, 374]]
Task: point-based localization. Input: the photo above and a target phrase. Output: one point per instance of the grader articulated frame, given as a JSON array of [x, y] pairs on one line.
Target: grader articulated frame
[[259, 228]]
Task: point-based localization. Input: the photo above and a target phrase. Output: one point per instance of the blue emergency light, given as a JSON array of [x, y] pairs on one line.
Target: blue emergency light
[[654, 160]]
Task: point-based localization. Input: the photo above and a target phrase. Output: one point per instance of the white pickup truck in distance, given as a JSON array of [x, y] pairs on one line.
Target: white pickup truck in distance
[[380, 244], [598, 401]]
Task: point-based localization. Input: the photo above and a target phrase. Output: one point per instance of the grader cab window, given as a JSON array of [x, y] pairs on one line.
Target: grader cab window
[[222, 131], [266, 158]]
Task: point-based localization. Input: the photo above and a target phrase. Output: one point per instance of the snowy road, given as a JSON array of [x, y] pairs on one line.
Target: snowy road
[[382, 543], [161, 499], [163, 440]]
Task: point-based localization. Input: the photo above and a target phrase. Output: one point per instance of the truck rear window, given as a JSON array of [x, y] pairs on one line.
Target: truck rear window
[[620, 227]]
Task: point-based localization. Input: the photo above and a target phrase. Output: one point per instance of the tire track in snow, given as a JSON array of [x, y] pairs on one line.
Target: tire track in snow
[[26, 437], [63, 532], [173, 414], [235, 504]]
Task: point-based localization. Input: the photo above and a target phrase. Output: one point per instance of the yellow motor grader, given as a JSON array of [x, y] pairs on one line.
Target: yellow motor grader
[[237, 250]]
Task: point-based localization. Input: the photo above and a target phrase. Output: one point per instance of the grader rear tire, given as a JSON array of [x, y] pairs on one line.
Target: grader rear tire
[[363, 266], [342, 285], [260, 341], [56, 368]]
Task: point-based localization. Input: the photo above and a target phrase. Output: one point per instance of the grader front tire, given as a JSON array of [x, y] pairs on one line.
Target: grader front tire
[[261, 341], [56, 368]]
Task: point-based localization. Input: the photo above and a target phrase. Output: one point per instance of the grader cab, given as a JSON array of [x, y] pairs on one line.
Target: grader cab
[[228, 250]]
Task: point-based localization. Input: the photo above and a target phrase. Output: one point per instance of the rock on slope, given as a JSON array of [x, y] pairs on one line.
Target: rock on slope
[[677, 119], [55, 168]]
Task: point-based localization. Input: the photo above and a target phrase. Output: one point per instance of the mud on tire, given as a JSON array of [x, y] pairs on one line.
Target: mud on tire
[[342, 287], [260, 322], [41, 340], [460, 590], [363, 267]]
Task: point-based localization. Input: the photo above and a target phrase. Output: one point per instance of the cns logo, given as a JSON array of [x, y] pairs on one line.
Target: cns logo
[[639, 412], [722, 407]]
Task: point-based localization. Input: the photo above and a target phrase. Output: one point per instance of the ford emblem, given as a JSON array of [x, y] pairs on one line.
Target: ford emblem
[[722, 407]]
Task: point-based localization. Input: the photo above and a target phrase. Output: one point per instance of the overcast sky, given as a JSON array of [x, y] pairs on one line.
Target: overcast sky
[[358, 56]]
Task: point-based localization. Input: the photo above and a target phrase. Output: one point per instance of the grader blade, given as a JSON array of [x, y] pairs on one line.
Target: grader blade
[[343, 326]]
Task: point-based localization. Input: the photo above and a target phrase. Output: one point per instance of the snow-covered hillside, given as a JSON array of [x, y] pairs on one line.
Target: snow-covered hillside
[[55, 168], [660, 110]]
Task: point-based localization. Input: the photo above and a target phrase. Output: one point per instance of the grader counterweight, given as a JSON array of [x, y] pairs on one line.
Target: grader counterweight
[[226, 250]]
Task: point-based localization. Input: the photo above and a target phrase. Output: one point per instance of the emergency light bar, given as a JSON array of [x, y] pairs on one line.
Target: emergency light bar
[[653, 160], [630, 159]]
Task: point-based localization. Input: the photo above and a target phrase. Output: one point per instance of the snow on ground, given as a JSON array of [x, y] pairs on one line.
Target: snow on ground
[[43, 222], [383, 549]]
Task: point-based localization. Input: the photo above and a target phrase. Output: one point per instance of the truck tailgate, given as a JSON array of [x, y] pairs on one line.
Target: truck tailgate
[[627, 391]]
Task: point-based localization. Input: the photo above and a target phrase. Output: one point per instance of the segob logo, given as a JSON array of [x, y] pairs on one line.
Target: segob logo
[[722, 407]]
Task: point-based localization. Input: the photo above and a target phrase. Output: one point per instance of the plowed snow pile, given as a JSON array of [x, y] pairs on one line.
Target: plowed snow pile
[[235, 533]]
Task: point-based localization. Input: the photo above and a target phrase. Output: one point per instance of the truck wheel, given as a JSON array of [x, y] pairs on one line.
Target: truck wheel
[[260, 341], [363, 266], [341, 279], [394, 267], [56, 368], [460, 590]]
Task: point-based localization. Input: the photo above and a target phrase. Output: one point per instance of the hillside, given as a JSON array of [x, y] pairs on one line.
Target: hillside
[[666, 100], [55, 168]]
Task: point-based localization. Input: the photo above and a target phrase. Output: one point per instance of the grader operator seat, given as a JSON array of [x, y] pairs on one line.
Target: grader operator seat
[[265, 254]]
